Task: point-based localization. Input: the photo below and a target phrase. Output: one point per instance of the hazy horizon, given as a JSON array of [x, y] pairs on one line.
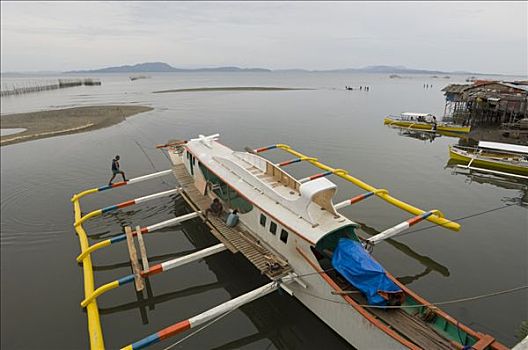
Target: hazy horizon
[[484, 37], [44, 72]]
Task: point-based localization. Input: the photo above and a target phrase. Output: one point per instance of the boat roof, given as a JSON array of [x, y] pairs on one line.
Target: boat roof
[[412, 114], [295, 207], [503, 147]]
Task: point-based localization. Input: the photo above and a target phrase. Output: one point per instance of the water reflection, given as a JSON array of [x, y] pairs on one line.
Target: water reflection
[[158, 258], [506, 182], [233, 274], [430, 264], [11, 131], [106, 234], [152, 300], [241, 342], [39, 177], [426, 135], [266, 314]]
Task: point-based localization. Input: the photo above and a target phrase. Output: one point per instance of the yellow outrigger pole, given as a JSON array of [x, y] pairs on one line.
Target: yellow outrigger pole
[[437, 219], [94, 323]]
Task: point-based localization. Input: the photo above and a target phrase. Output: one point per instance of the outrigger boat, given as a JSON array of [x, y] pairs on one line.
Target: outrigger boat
[[424, 121], [493, 157], [292, 232]]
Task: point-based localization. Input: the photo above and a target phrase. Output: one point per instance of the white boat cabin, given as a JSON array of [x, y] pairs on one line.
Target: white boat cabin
[[417, 117], [274, 205], [504, 147]]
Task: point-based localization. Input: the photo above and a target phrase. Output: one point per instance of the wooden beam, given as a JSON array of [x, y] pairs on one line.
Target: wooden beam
[[142, 250], [483, 342], [138, 280]]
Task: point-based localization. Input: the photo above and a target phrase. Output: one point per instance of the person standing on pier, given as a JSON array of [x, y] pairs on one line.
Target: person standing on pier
[[116, 170]]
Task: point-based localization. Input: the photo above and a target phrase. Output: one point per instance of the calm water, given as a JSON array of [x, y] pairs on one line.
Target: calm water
[[42, 286], [12, 131]]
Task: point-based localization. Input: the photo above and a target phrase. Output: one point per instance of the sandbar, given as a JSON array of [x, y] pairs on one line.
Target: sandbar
[[44, 124], [231, 88]]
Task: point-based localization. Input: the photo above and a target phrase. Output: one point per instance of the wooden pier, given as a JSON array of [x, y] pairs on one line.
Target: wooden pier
[[235, 239]]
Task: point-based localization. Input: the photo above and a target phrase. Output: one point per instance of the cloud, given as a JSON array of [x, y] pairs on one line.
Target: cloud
[[316, 35]]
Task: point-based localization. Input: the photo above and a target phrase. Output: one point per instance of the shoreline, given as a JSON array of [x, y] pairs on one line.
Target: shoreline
[[50, 123], [494, 134]]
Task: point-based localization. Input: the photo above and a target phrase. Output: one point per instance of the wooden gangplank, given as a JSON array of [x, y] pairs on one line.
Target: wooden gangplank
[[235, 239]]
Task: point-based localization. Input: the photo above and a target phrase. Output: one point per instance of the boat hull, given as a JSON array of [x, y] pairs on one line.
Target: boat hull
[[464, 157], [427, 126]]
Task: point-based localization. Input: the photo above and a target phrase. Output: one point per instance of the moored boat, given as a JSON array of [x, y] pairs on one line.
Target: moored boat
[[493, 156], [291, 231], [297, 220], [424, 121]]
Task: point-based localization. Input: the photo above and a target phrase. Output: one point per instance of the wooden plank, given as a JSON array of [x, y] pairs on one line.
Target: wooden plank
[[138, 280], [484, 342], [142, 249], [412, 327]]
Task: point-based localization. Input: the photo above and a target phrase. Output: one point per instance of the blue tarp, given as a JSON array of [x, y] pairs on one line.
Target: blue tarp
[[352, 261]]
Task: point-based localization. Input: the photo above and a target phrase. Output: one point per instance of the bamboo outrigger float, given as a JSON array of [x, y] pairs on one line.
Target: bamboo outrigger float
[[290, 231]]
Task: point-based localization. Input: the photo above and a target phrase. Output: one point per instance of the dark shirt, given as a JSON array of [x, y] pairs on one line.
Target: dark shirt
[[115, 164], [216, 207]]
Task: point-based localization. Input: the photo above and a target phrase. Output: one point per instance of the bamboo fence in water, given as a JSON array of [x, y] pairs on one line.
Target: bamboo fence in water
[[29, 86]]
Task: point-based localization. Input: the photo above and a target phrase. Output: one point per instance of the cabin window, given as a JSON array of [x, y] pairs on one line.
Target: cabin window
[[273, 227], [226, 193], [284, 236], [262, 220]]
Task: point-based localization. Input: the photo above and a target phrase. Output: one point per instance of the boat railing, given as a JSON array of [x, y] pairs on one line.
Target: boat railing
[[252, 159], [384, 195], [271, 169]]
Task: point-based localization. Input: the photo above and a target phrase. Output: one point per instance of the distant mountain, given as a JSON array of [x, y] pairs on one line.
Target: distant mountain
[[395, 70], [137, 68], [160, 67]]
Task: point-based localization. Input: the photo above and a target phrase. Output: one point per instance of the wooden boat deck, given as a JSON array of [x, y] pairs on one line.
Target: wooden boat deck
[[410, 326], [235, 238]]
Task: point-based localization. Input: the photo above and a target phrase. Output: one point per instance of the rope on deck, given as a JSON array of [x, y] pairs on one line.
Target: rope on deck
[[477, 297], [446, 302]]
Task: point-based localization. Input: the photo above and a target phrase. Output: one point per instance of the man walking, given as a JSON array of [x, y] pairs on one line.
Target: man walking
[[116, 170]]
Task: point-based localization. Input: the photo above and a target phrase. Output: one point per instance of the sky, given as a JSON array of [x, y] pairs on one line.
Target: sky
[[485, 37]]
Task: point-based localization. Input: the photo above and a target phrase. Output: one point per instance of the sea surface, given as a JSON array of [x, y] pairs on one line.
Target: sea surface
[[42, 285]]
